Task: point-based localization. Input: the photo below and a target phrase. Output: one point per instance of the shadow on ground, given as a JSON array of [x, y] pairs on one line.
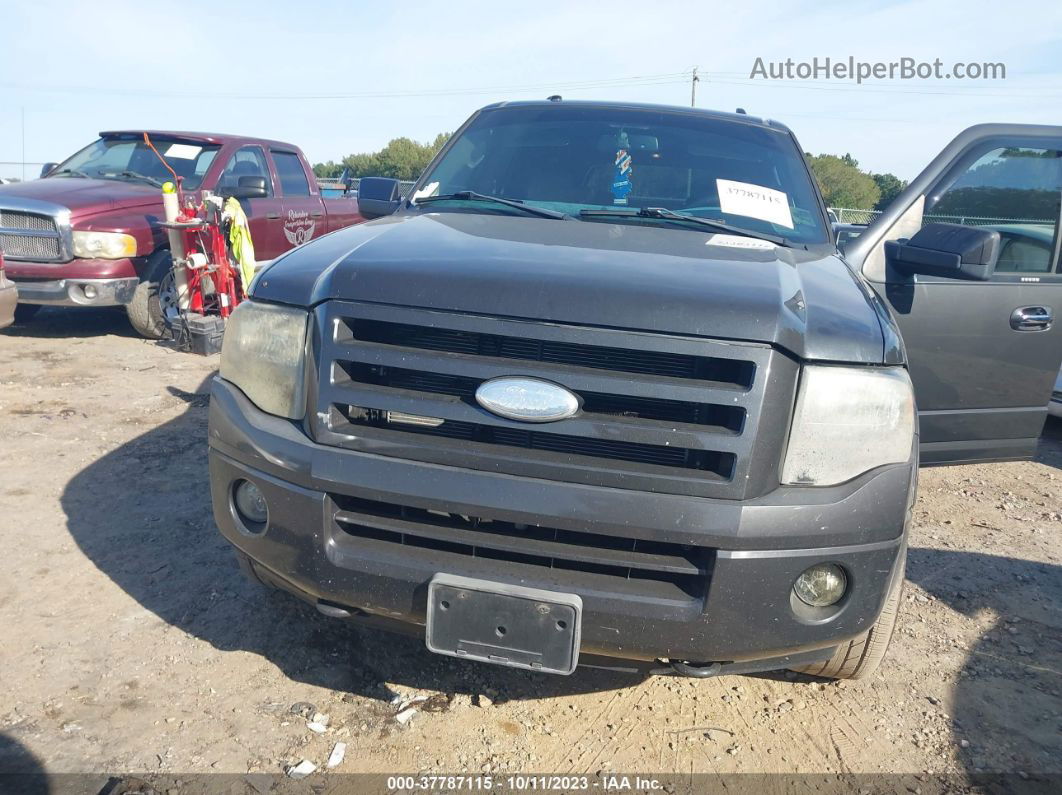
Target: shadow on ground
[[59, 322], [158, 542], [20, 770]]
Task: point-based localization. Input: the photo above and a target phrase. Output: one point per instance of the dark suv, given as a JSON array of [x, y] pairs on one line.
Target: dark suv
[[602, 391]]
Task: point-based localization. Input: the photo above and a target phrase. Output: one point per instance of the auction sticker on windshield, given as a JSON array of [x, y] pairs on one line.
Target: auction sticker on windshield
[[754, 201], [736, 241], [184, 151]]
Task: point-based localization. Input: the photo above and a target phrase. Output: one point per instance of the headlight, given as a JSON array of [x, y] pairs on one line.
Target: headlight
[[263, 354], [105, 245], [848, 420]]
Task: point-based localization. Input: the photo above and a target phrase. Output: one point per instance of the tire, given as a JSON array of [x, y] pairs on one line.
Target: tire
[[859, 658], [145, 311], [24, 313]]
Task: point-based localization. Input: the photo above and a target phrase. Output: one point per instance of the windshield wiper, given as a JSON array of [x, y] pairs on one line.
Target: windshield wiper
[[472, 196], [717, 224], [132, 175], [72, 172]]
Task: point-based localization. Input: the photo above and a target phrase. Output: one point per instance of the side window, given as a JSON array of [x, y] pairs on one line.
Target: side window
[[292, 176], [247, 162], [1016, 191]]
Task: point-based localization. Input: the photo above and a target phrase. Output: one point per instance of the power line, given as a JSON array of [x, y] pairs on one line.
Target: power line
[[580, 85]]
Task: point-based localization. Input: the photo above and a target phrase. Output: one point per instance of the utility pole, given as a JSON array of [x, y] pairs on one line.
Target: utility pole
[[693, 88], [23, 143]]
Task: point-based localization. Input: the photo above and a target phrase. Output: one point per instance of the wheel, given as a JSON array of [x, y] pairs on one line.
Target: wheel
[[24, 313], [153, 301], [859, 658]]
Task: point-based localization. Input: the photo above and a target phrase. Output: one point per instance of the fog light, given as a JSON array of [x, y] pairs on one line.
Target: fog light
[[821, 585], [90, 291], [250, 504]]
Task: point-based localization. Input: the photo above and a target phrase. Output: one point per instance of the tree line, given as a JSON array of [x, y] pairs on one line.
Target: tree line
[[842, 182], [402, 158]]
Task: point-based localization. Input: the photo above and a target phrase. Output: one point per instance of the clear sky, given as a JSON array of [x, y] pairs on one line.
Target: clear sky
[[342, 77]]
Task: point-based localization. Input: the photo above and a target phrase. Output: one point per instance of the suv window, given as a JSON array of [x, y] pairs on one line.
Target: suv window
[[247, 162], [1016, 191], [292, 176], [572, 158]]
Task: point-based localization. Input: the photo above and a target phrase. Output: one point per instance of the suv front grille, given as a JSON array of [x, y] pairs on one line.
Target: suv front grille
[[658, 413], [653, 568], [29, 236]]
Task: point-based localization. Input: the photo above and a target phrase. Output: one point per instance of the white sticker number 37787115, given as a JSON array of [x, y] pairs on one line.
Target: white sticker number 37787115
[[754, 201]]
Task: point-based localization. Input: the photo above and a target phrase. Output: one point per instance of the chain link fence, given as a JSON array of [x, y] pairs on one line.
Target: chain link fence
[[330, 185], [849, 215]]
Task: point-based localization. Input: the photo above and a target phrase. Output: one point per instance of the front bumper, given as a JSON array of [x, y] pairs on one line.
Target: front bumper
[[110, 282], [8, 299], [743, 616], [77, 292]]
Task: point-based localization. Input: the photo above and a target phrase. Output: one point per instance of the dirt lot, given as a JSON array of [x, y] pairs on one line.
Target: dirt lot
[[131, 644]]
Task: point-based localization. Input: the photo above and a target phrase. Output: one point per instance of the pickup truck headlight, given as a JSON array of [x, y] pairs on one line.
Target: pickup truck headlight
[[848, 420], [103, 245], [264, 354]]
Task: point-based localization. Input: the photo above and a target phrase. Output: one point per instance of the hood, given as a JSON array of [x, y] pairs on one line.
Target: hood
[[647, 278], [85, 196]]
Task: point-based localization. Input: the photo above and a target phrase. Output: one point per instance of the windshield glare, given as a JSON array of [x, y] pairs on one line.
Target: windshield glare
[[572, 158], [107, 158]]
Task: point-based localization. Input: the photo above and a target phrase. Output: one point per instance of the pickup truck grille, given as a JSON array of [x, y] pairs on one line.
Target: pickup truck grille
[[659, 413], [29, 236], [651, 567]]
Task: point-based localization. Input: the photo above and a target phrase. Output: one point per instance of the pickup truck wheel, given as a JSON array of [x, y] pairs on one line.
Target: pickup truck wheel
[[24, 313], [147, 310], [859, 658]]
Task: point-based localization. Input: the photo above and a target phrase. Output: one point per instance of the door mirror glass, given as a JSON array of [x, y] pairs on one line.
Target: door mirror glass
[[248, 188], [47, 169], [378, 196], [953, 251], [1014, 191]]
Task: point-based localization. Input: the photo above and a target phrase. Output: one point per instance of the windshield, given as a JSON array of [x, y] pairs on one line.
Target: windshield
[[572, 159], [129, 158]]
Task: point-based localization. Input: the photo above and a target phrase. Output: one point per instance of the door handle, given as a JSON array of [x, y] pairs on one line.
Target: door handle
[[316, 214], [1031, 318], [272, 216]]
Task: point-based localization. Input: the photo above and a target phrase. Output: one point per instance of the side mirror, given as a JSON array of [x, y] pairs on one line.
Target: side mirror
[[248, 188], [953, 251], [378, 196], [47, 169]]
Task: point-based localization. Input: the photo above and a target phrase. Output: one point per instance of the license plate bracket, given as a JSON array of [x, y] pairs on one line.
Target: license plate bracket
[[504, 624]]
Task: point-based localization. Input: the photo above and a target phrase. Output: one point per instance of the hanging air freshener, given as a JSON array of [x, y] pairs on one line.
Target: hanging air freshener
[[621, 176]]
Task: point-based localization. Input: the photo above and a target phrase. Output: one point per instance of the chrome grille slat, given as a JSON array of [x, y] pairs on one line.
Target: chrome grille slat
[[28, 235]]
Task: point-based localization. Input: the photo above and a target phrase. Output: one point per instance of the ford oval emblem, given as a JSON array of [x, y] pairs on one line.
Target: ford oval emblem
[[527, 399]]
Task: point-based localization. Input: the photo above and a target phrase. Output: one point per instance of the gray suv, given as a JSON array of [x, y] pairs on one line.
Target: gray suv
[[602, 391]]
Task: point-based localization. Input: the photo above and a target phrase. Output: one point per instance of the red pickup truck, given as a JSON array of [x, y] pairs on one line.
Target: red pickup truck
[[87, 233]]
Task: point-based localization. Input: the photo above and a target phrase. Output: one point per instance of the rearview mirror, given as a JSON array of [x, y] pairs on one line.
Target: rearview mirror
[[248, 188], [953, 251], [47, 169], [378, 196]]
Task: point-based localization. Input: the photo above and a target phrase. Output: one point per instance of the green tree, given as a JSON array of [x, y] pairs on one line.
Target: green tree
[[402, 158], [842, 183], [890, 186], [327, 170]]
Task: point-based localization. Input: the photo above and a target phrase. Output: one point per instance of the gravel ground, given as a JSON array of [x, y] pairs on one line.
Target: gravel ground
[[133, 647]]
